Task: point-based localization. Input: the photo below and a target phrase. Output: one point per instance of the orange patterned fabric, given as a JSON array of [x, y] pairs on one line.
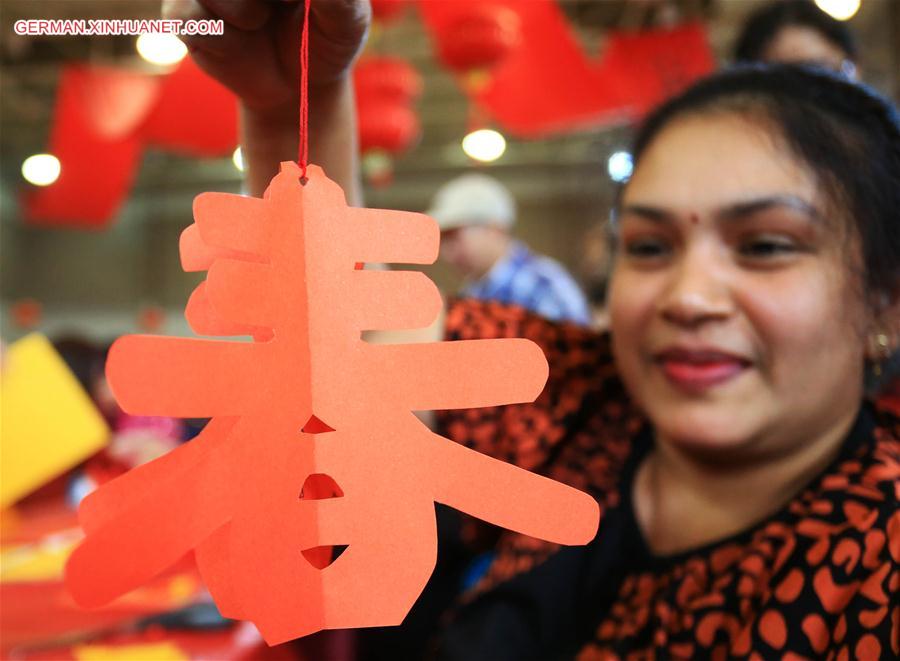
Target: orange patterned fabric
[[819, 579]]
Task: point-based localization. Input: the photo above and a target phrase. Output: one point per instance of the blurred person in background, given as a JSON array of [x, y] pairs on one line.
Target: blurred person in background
[[797, 32], [476, 213]]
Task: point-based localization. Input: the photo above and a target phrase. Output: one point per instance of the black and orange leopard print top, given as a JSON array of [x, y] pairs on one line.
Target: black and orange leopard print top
[[820, 579]]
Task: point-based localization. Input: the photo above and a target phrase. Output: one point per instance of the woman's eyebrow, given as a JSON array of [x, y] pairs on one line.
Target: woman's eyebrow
[[655, 214], [748, 208], [735, 211]]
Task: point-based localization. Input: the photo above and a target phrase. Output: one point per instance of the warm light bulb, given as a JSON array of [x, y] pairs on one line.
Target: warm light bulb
[[41, 169], [161, 48], [484, 145], [238, 159], [619, 166], [841, 10]]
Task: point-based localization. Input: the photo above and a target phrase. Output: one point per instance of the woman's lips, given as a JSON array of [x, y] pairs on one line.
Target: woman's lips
[[696, 371]]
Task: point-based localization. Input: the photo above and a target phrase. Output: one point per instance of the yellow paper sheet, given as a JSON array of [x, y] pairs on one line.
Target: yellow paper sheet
[[48, 423], [164, 651]]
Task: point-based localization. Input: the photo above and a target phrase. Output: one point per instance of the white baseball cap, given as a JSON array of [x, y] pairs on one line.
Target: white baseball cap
[[473, 199]]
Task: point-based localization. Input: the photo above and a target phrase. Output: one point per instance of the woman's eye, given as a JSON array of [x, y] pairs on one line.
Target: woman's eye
[[767, 247], [647, 248]]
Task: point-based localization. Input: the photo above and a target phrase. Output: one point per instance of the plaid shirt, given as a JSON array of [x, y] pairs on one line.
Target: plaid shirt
[[534, 282]]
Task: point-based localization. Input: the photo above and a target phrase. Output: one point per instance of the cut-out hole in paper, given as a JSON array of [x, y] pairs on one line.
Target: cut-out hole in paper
[[319, 486], [321, 557], [315, 426]]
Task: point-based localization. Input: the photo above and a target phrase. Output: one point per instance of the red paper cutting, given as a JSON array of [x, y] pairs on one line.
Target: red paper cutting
[[312, 442]]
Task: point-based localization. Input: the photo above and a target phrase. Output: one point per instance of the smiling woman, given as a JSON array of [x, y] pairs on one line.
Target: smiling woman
[[725, 297], [750, 494]]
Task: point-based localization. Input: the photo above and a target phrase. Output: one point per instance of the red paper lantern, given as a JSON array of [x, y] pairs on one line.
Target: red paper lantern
[[389, 126], [388, 78], [386, 11], [480, 37], [385, 89]]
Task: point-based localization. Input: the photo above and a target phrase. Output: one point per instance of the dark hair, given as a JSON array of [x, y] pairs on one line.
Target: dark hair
[[844, 132], [768, 21]]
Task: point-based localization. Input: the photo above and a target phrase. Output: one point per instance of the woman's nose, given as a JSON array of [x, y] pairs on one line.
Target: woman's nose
[[698, 291]]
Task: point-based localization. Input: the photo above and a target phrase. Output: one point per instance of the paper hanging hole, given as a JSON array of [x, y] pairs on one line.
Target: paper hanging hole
[[319, 486]]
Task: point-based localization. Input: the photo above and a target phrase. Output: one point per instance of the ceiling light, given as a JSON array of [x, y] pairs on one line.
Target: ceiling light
[[41, 169], [841, 10], [484, 145], [619, 166], [161, 48]]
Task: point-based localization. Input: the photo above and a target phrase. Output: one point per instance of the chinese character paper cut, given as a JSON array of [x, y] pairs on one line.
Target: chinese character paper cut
[[312, 442]]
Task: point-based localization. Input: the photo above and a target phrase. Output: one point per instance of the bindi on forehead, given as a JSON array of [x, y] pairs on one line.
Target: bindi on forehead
[[694, 218]]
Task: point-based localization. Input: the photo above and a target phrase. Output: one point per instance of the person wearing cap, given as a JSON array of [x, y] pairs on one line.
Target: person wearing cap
[[476, 214]]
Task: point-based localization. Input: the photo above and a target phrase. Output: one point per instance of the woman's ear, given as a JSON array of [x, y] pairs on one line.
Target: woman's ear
[[884, 335]]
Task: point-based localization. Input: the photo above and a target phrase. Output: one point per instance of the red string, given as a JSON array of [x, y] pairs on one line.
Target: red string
[[303, 155]]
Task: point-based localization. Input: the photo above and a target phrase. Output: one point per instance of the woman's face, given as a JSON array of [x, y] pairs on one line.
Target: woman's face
[[737, 323]]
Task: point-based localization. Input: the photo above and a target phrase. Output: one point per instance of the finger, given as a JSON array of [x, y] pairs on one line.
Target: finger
[[242, 14], [232, 39], [180, 10], [342, 21], [338, 30]]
